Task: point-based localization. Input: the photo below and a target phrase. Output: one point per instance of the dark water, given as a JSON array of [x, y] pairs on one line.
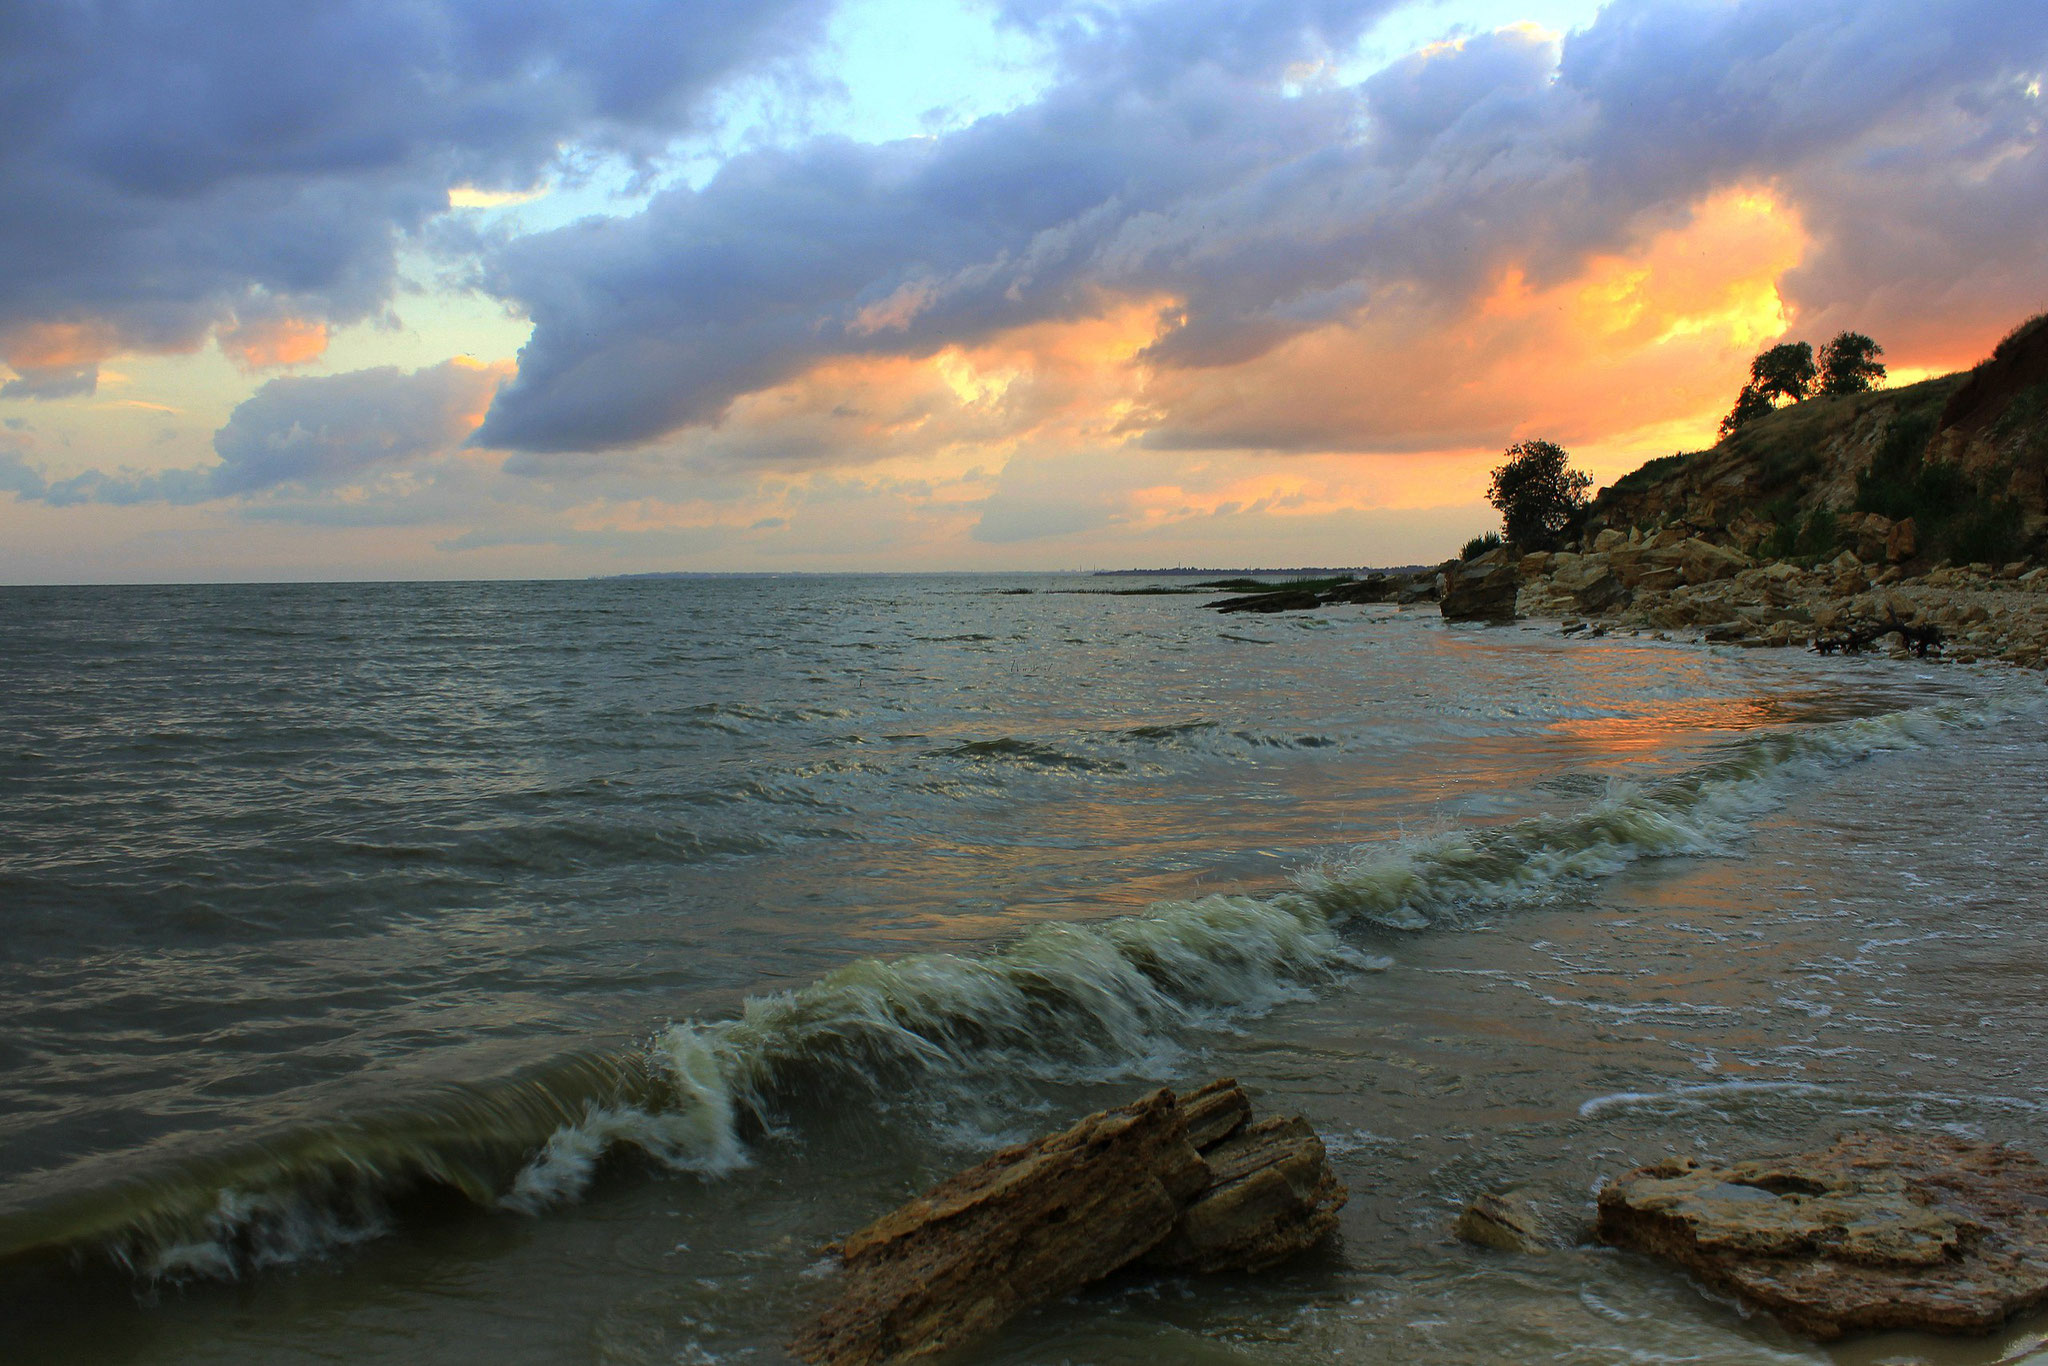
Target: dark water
[[545, 971]]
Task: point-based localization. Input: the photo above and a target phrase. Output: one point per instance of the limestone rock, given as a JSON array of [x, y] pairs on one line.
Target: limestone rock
[[1878, 1232], [1704, 562], [1902, 542], [1588, 586], [1031, 1223], [1508, 1221], [1479, 592]]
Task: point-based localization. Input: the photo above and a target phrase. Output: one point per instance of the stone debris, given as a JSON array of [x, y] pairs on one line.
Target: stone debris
[[1185, 1183], [1879, 1232]]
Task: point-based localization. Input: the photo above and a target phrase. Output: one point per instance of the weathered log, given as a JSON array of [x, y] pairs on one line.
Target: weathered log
[[1041, 1219], [1878, 1232], [1031, 1223], [1272, 1195]]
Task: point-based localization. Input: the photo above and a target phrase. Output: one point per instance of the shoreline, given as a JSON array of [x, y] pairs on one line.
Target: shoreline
[[1671, 585]]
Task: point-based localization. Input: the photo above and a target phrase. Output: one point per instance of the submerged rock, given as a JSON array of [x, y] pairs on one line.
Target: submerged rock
[[1186, 1182], [1508, 1221], [1878, 1232]]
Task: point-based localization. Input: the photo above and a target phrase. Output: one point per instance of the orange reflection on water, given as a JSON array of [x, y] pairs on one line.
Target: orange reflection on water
[[1651, 729]]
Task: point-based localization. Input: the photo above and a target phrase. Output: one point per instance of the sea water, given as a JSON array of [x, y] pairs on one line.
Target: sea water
[[544, 972]]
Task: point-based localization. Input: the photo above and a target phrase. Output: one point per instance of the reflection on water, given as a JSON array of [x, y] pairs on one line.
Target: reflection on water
[[374, 855]]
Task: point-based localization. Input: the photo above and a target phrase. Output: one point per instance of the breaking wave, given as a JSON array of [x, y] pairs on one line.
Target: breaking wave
[[1064, 1002]]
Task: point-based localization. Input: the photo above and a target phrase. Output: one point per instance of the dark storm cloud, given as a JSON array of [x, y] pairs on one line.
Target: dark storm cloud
[[168, 162], [1172, 161]]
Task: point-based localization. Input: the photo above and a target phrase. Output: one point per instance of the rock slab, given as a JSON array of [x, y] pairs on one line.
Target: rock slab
[[1481, 590], [1186, 1182], [1879, 1232]]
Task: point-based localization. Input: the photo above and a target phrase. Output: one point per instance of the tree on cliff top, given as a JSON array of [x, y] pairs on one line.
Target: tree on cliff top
[[1537, 493], [1750, 405], [1785, 371], [1849, 365]]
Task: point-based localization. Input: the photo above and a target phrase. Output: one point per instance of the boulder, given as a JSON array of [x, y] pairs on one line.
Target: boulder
[[1879, 1232], [1480, 592], [1869, 533], [1902, 541], [1704, 562], [1188, 1182], [1659, 580], [1609, 539], [1588, 585], [1423, 587]]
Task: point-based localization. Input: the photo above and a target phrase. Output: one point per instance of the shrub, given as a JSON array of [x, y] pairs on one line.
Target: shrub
[[1987, 531], [1479, 545]]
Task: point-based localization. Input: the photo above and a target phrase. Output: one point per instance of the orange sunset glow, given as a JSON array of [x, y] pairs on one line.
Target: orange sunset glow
[[1287, 310]]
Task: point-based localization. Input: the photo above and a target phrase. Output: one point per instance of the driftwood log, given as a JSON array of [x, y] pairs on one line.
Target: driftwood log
[[1185, 1183], [1878, 1232]]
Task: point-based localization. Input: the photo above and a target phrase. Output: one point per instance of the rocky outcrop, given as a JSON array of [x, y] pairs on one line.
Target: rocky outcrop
[[1845, 471], [1187, 1183], [1405, 588], [1878, 1232], [1480, 590], [1268, 602]]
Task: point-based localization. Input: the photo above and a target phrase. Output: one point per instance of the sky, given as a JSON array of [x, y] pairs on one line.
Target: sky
[[394, 289]]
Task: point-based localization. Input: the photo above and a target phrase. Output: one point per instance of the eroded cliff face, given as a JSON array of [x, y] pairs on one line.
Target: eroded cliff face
[[1963, 457]]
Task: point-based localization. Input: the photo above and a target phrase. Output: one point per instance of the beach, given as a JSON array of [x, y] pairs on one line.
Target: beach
[[551, 970]]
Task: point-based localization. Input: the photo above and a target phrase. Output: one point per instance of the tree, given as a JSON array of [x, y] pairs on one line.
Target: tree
[[1537, 494], [1849, 365], [1784, 371], [1750, 405]]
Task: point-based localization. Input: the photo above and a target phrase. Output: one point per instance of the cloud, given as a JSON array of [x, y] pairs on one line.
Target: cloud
[[1176, 161], [52, 381], [172, 163], [330, 429], [308, 434]]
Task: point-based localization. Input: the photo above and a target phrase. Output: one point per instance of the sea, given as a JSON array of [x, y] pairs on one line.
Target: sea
[[548, 972]]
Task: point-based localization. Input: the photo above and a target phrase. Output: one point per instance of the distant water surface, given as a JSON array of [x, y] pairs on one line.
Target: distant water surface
[[547, 970]]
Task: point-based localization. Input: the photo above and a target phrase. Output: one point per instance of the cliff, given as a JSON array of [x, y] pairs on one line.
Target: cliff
[[1962, 458]]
